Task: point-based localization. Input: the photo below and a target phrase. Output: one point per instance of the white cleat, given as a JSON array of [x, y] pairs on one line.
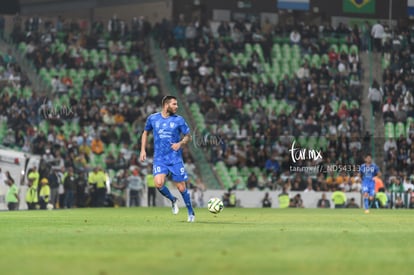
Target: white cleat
[[174, 207], [191, 218]]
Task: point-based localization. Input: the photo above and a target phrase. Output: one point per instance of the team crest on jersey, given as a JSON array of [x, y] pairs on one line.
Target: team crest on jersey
[[172, 124]]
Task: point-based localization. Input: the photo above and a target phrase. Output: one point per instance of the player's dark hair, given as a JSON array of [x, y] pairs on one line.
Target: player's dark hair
[[166, 99], [368, 155]]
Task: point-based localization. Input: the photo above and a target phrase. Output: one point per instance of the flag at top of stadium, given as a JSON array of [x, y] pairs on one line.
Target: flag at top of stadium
[[293, 4]]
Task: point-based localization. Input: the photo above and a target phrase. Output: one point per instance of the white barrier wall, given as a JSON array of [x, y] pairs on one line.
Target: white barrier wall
[[253, 199], [246, 199]]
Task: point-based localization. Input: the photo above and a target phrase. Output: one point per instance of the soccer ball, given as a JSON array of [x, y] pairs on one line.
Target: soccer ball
[[215, 205]]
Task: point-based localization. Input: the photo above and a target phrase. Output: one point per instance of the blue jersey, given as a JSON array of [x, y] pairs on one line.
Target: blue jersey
[[166, 132], [368, 172]]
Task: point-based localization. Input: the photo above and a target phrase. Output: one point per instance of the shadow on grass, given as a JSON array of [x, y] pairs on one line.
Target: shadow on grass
[[220, 222]]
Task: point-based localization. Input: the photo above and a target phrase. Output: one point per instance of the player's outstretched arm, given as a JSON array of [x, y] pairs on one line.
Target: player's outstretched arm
[[143, 154]]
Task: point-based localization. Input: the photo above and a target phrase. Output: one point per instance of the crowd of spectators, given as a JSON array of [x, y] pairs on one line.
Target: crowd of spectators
[[13, 83], [397, 88], [217, 68], [318, 97], [99, 123]]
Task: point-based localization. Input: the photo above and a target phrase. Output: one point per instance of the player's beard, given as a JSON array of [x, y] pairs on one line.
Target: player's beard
[[170, 111]]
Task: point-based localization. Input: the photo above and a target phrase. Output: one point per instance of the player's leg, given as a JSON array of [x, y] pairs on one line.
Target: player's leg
[[160, 172], [179, 176], [159, 181], [366, 202], [371, 196], [181, 186], [365, 197]]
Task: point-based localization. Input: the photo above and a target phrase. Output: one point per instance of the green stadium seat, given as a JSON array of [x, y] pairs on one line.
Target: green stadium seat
[[153, 91], [344, 48], [276, 48], [316, 60], [355, 103], [183, 52], [233, 172], [408, 122], [248, 48], [385, 63], [244, 172], [323, 143], [389, 130], [255, 78], [325, 59], [334, 105], [267, 68], [312, 142], [264, 78], [354, 49], [302, 142], [400, 130], [22, 47], [242, 183]]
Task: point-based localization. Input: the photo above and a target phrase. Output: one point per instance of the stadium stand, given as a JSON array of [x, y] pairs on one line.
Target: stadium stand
[[96, 87], [259, 91], [15, 90], [252, 90], [397, 87]]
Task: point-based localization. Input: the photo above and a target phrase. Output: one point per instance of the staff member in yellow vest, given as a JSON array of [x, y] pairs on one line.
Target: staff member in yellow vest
[[339, 198], [12, 196], [381, 199], [44, 194], [100, 179], [31, 195], [283, 199], [35, 176], [92, 186]]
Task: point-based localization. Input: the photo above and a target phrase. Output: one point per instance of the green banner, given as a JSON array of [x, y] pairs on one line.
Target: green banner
[[359, 6]]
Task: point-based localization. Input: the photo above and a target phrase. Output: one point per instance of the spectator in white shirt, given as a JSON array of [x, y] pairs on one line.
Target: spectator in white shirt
[[388, 110], [377, 33], [388, 144], [295, 37]]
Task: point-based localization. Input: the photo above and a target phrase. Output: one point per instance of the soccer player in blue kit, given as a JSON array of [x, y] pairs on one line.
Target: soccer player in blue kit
[[170, 132], [368, 171]]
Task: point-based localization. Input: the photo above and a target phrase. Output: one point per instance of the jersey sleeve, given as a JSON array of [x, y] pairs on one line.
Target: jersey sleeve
[[148, 124], [184, 129]]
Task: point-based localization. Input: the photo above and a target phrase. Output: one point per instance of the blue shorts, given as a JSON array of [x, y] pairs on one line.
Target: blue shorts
[[176, 170], [368, 188]]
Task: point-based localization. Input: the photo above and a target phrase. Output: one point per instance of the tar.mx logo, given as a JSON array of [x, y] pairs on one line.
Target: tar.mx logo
[[304, 154], [49, 111], [204, 140]]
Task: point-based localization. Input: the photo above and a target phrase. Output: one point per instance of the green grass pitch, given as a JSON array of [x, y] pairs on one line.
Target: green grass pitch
[[236, 241]]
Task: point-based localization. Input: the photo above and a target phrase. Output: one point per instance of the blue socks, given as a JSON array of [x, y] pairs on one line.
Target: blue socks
[[166, 193], [366, 203], [187, 201], [186, 197]]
